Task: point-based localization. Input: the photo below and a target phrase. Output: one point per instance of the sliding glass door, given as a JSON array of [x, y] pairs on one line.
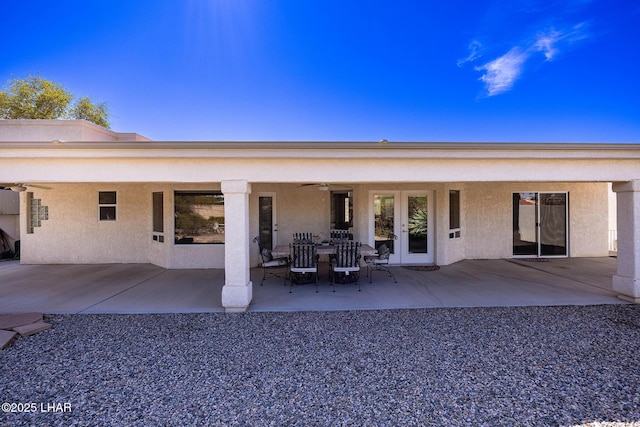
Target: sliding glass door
[[540, 226]]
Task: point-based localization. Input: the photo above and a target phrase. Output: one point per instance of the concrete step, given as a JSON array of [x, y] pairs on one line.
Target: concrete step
[[6, 337], [32, 328], [10, 321]]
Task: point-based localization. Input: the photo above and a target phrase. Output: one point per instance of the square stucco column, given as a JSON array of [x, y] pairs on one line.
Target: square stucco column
[[238, 289], [627, 281]]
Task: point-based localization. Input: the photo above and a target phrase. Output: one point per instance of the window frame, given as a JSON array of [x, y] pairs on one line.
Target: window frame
[[107, 205], [216, 227], [157, 216], [455, 226]]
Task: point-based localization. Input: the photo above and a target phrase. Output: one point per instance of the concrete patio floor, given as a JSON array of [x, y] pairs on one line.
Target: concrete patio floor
[[146, 288]]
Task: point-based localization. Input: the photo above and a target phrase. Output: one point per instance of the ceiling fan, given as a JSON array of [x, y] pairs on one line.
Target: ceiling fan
[[20, 187], [323, 186]]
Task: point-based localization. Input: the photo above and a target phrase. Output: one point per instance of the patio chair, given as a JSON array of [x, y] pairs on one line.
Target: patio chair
[[379, 262], [345, 266], [304, 264], [302, 237], [340, 235], [271, 266]]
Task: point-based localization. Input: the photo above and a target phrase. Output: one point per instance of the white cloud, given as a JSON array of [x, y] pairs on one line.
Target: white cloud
[[501, 73], [475, 52], [546, 43]]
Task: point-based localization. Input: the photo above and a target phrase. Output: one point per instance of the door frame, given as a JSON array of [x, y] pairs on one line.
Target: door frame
[[538, 225], [401, 254]]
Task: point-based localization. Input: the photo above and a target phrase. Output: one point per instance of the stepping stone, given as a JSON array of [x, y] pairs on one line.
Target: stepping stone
[[32, 328], [10, 321], [5, 338]]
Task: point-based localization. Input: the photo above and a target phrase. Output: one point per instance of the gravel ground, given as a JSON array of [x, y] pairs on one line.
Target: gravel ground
[[477, 366]]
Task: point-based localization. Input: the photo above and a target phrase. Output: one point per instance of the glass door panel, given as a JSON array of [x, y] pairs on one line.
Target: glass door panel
[[416, 237], [417, 224], [384, 219], [266, 221], [553, 224], [525, 220]]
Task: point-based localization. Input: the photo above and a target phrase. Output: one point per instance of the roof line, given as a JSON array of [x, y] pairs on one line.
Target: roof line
[[319, 145]]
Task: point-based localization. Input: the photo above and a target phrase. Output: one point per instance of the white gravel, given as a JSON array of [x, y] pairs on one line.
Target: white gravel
[[477, 366]]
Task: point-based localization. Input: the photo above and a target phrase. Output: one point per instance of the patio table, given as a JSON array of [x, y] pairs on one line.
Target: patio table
[[283, 250]]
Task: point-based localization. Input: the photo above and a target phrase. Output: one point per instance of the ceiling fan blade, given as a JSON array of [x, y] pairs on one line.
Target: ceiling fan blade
[[18, 185]]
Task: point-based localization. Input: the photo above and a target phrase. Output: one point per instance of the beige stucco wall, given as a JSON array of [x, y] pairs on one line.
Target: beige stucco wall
[[486, 216], [73, 233], [60, 130], [488, 212]]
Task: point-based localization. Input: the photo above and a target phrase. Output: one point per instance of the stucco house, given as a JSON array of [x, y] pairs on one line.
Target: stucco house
[[90, 195]]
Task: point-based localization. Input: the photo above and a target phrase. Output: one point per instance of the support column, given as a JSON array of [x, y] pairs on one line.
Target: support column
[[237, 291], [627, 281]]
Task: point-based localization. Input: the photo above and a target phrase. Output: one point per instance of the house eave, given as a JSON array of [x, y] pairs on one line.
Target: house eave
[[292, 149]]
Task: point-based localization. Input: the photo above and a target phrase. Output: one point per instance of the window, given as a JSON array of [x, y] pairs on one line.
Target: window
[[199, 217], [341, 210], [158, 216], [454, 214], [107, 205]]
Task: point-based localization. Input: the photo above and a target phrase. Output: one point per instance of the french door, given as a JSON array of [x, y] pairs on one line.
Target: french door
[[540, 224], [409, 216], [267, 220]]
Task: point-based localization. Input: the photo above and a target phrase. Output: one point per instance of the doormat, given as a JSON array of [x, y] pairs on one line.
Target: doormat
[[422, 267], [535, 259]]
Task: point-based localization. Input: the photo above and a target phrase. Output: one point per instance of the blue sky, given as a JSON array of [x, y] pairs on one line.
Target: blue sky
[[339, 70]]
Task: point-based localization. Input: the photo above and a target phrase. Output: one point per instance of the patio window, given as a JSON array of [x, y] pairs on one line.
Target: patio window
[[454, 214], [107, 201], [158, 216], [199, 217], [341, 210]]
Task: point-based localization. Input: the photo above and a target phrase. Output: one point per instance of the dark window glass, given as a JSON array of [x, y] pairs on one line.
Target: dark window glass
[[158, 212], [107, 197], [107, 213], [454, 209]]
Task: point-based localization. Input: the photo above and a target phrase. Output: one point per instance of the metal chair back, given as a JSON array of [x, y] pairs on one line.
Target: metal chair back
[[302, 238], [347, 254], [340, 235], [304, 255]]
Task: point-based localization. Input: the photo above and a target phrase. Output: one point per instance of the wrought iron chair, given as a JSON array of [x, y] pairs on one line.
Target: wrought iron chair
[[272, 266], [303, 264], [380, 262], [345, 266], [302, 237], [340, 235]]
